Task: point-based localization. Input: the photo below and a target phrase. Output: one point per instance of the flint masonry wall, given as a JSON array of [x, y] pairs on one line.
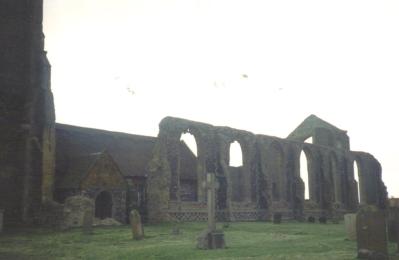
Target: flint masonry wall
[[269, 179], [26, 112]]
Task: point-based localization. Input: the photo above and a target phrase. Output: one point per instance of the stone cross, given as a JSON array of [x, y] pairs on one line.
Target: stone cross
[[211, 185]]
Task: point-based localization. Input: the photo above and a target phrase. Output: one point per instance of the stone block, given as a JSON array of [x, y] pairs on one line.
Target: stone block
[[371, 234], [350, 226], [74, 211], [136, 225]]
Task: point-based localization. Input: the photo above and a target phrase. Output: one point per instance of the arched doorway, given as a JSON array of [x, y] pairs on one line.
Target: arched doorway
[[103, 205]]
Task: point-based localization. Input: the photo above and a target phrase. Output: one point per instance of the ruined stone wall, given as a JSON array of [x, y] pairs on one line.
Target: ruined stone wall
[[269, 179], [25, 127]]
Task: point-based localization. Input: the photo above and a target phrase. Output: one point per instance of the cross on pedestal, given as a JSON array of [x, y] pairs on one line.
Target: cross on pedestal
[[211, 238], [211, 185]]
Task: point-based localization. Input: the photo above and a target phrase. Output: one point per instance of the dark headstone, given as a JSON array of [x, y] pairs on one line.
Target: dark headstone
[[322, 220], [277, 218], [1, 220], [226, 225], [350, 226], [137, 227], [311, 219], [393, 222], [211, 240], [371, 234], [87, 224]]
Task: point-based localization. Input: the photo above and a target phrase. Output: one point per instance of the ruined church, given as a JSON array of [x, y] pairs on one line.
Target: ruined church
[[42, 163]]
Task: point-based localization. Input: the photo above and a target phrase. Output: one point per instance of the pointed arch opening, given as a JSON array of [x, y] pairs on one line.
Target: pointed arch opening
[[235, 155], [188, 179], [189, 140], [304, 173], [356, 171]]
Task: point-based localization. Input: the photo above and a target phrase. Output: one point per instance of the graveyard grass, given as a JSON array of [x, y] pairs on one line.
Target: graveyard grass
[[254, 240]]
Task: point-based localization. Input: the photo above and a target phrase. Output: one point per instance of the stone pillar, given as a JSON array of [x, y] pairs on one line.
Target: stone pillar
[[1, 220]]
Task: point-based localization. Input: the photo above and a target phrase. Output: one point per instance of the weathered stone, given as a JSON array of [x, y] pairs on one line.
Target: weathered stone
[[88, 217], [311, 219], [74, 211], [350, 226], [1, 220], [277, 217], [136, 225], [371, 234]]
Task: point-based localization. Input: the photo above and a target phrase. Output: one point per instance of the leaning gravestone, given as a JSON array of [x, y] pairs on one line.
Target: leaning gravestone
[[137, 227], [88, 221], [1, 220], [371, 234], [350, 226]]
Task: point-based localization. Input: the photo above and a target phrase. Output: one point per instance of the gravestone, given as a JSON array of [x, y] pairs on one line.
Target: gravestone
[[137, 227], [350, 226], [371, 234], [277, 218], [322, 220], [311, 219], [88, 222], [1, 220], [211, 238]]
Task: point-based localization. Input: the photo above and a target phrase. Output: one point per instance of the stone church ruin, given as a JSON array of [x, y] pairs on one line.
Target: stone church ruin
[[42, 163], [269, 179]]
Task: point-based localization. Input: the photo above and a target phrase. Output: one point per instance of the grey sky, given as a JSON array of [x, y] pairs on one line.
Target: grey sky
[[262, 66]]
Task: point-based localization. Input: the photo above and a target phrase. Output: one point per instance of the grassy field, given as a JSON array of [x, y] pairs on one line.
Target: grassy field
[[256, 240]]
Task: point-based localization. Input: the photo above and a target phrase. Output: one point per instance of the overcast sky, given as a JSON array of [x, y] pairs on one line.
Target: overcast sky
[[261, 66]]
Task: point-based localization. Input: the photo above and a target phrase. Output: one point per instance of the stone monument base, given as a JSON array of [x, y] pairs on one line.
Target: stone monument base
[[211, 240]]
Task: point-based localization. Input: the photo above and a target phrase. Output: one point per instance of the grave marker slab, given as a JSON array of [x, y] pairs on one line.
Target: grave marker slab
[[350, 226], [371, 234]]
